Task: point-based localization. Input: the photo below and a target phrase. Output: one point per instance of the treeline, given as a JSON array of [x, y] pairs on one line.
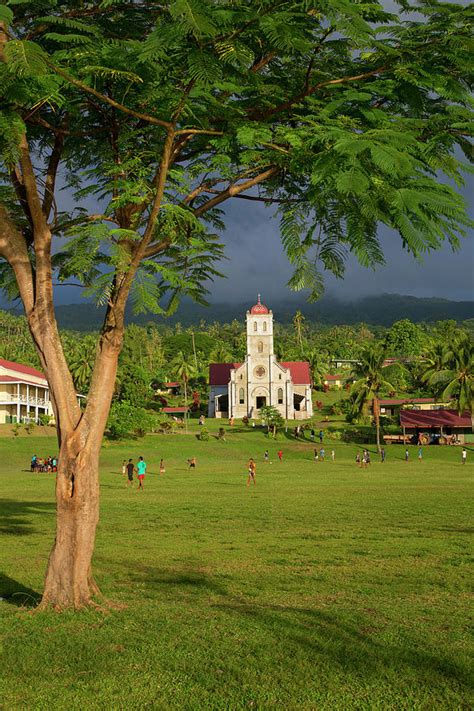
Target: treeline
[[155, 354], [384, 310]]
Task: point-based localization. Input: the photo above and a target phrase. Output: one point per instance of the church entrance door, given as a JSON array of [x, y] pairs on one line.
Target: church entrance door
[[261, 401]]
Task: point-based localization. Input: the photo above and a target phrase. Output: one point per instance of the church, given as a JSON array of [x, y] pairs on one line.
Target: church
[[242, 389]]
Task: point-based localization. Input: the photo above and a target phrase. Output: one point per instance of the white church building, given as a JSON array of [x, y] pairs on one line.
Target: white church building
[[242, 389]]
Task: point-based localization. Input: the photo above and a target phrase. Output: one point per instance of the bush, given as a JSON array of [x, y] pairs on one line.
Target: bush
[[44, 419], [203, 435], [126, 420]]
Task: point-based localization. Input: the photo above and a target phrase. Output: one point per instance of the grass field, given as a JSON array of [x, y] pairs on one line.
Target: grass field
[[323, 587]]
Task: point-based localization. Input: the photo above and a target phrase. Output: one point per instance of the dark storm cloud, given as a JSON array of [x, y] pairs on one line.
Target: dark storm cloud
[[257, 264]]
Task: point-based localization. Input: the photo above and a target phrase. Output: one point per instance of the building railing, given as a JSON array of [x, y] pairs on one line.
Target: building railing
[[41, 401]]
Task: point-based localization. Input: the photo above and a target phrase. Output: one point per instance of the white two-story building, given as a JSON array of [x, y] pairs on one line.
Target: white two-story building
[[24, 393]]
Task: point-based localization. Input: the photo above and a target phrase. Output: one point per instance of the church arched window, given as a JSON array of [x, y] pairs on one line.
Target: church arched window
[[280, 396], [264, 325], [254, 325], [260, 347], [241, 396]]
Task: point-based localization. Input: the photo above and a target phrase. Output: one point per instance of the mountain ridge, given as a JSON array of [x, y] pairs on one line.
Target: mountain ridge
[[380, 310]]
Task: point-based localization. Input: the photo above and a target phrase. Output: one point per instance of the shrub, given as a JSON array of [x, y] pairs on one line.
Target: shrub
[[203, 434], [126, 420], [45, 419]]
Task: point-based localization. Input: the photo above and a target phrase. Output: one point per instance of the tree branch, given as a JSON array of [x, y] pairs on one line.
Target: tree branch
[[256, 114], [51, 174], [108, 99], [14, 250], [234, 190]]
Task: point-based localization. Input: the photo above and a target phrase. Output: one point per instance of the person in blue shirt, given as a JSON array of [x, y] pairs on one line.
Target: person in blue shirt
[[141, 469]]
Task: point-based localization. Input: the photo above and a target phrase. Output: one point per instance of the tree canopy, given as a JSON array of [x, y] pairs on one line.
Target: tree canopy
[[342, 114]]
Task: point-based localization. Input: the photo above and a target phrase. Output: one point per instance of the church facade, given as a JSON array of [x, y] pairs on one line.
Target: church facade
[[242, 389]]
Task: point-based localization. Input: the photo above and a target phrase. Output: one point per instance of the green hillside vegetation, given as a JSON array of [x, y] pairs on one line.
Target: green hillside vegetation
[[152, 355], [382, 310], [324, 586]]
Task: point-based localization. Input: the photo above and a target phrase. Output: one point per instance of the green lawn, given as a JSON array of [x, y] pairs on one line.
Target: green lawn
[[324, 587]]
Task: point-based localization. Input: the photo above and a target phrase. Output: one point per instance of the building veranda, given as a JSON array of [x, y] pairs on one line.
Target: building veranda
[[242, 389]]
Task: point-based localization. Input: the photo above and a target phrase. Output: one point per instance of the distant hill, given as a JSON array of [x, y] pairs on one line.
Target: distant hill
[[381, 310]]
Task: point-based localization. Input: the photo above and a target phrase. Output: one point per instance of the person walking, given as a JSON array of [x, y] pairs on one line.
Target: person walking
[[280, 455], [252, 471], [358, 459], [420, 453], [312, 435], [316, 455], [192, 463], [321, 435], [265, 456], [406, 455], [124, 467], [382, 455], [162, 467], [321, 454], [130, 472], [464, 455], [141, 469], [333, 454]]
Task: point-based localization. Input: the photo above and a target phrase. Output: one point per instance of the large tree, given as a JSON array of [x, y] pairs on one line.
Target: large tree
[[341, 114]]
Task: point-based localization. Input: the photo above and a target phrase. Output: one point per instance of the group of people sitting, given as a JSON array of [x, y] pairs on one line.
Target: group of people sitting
[[46, 464]]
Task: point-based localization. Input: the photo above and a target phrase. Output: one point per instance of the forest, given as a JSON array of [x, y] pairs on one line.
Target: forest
[[155, 354]]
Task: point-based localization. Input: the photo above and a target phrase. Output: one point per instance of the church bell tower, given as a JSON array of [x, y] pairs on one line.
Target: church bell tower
[[259, 332]]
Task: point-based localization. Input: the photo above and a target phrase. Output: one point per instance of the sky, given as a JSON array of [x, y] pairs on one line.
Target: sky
[[256, 263]]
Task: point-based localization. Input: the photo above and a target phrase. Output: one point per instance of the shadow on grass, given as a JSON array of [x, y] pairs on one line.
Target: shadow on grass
[[17, 594], [349, 641], [349, 645], [15, 516]]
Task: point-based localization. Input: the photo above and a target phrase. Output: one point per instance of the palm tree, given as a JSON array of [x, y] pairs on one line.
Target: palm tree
[[81, 362], [454, 377], [370, 382], [221, 353], [318, 364], [298, 320], [183, 368]]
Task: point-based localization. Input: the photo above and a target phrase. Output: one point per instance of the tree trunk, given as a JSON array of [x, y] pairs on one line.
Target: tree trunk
[[185, 404], [377, 423], [69, 581]]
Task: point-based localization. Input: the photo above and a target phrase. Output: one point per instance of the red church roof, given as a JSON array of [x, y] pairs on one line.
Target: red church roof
[[434, 418], [300, 372], [19, 368], [219, 373], [259, 308]]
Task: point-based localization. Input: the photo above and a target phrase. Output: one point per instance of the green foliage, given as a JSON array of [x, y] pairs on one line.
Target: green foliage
[[44, 420], [353, 113], [127, 420], [450, 373], [405, 339], [272, 418], [203, 434]]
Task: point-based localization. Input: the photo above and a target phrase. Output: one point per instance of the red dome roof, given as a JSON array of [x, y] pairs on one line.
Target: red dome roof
[[259, 308]]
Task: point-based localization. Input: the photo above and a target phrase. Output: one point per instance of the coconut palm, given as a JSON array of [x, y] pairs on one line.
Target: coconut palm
[[81, 362], [454, 377], [318, 364], [370, 383], [221, 353], [183, 368]]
